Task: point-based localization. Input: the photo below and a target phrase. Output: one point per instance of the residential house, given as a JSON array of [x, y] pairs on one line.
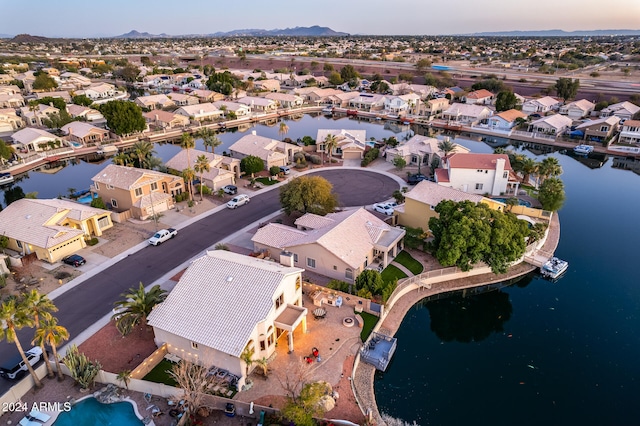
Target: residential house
[[479, 97], [9, 120], [630, 132], [242, 304], [200, 112], [599, 130], [52, 229], [342, 99], [478, 174], [34, 117], [622, 110], [555, 124], [165, 119], [87, 113], [453, 92], [31, 139], [75, 80], [338, 245], [8, 100], [259, 104], [9, 89], [577, 109], [207, 95], [143, 192], [423, 91], [84, 133], [223, 170], [350, 144], [367, 102], [436, 106], [156, 80], [316, 95], [402, 104], [420, 151], [420, 203], [62, 94], [155, 102], [99, 92], [266, 85], [466, 114], [540, 105], [271, 151], [183, 100], [285, 101], [506, 120], [240, 110]]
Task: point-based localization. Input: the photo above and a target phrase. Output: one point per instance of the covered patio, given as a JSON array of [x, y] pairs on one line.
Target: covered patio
[[289, 320]]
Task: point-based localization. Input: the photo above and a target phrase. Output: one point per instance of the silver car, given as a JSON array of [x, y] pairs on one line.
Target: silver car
[[238, 200]]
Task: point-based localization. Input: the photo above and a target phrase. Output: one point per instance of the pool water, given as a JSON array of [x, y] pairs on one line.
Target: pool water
[[520, 201], [90, 412], [86, 199]]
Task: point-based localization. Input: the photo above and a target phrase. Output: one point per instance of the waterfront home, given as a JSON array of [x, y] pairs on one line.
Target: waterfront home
[[285, 101], [9, 120], [165, 119], [422, 90], [200, 112], [350, 144], [223, 170], [99, 92], [84, 133], [317, 95], [8, 100], [84, 112], [630, 132], [540, 105], [478, 174], [183, 100], [420, 151], [241, 304], [338, 245], [62, 94], [140, 191], [622, 110], [258, 104], [34, 117], [271, 151], [207, 95], [420, 203], [599, 130], [466, 114], [51, 229], [31, 139], [154, 102], [436, 106], [156, 80], [577, 109], [506, 120], [367, 102], [553, 125], [266, 85], [479, 97], [401, 104], [240, 110]]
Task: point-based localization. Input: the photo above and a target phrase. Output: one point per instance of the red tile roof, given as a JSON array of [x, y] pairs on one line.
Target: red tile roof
[[477, 161], [442, 175]]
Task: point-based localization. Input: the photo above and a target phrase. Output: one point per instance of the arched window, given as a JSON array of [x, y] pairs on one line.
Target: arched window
[[348, 273]]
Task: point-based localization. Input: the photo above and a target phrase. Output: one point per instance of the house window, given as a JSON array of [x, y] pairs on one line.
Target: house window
[[295, 258], [114, 203], [154, 186], [270, 336], [19, 243], [335, 268], [97, 184], [348, 273], [505, 175], [194, 345], [479, 186], [263, 345], [604, 128], [108, 186], [311, 263], [138, 192], [103, 222], [298, 283], [280, 301], [366, 262], [432, 208]]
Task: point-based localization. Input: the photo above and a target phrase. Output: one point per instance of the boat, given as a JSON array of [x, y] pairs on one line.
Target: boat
[[553, 268], [583, 149], [353, 112], [327, 110], [5, 178]]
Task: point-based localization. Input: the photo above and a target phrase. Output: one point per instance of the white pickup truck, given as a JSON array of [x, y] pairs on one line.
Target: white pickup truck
[[162, 235]]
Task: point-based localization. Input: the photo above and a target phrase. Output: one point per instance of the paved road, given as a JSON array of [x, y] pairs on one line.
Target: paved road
[[86, 303]]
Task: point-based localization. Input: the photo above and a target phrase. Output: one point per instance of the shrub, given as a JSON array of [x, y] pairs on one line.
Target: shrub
[[371, 155], [274, 170], [205, 189], [82, 370], [98, 203], [315, 159], [92, 241], [339, 285], [299, 156]]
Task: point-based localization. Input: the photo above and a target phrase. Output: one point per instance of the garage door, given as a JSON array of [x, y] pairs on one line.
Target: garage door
[[353, 155]]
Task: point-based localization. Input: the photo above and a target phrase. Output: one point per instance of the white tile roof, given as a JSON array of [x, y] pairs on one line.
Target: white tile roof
[[199, 110], [29, 134], [546, 101], [259, 146], [611, 121], [128, 177], [421, 145], [220, 299], [344, 137], [556, 121], [254, 100], [431, 193], [467, 110], [81, 129]]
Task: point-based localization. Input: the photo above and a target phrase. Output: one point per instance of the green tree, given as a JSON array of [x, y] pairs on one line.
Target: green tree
[[302, 410], [399, 162], [44, 82], [143, 151], [446, 147], [14, 316], [567, 88], [136, 307], [6, 151], [128, 73], [58, 103], [83, 100], [98, 203], [209, 138], [491, 84], [335, 79], [368, 283], [505, 101], [348, 72], [188, 142], [422, 65], [330, 144], [327, 67], [251, 164], [308, 194], [52, 334], [202, 165], [12, 194], [39, 307], [121, 159], [551, 194], [123, 117], [549, 167], [528, 166], [189, 175]]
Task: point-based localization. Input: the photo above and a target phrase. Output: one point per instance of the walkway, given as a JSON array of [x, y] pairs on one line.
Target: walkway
[[400, 266]]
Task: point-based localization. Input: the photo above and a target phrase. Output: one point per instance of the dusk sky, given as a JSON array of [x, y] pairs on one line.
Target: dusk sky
[[80, 18]]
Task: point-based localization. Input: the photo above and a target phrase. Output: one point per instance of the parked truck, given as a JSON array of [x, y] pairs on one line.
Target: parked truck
[[162, 235]]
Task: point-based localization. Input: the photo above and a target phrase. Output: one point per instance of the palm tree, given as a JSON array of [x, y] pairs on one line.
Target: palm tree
[[247, 357], [283, 129], [34, 106], [121, 159], [202, 165], [125, 377], [330, 143], [52, 334], [528, 167], [39, 306], [188, 175], [15, 316], [446, 147], [136, 306], [549, 167], [209, 138], [187, 142], [143, 150]]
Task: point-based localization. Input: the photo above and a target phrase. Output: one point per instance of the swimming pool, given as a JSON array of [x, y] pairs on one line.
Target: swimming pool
[[90, 412], [520, 201], [86, 199]]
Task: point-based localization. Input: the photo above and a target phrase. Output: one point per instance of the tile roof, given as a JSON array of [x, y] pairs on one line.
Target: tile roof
[[164, 116], [582, 104], [476, 161], [431, 193], [180, 162], [200, 109], [344, 137], [547, 101], [28, 134], [254, 100], [511, 115], [234, 293], [260, 146], [480, 94], [442, 175], [556, 120], [468, 110], [81, 129], [611, 121], [632, 123], [128, 177], [626, 106]]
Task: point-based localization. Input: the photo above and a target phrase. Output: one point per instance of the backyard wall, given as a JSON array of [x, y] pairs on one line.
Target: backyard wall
[[149, 363]]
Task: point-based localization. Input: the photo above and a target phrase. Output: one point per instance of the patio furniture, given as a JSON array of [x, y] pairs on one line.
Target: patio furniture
[[230, 410], [319, 313], [41, 417], [26, 422]]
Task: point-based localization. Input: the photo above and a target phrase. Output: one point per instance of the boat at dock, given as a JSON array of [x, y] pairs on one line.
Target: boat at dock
[[5, 178], [553, 268], [583, 149], [327, 110]]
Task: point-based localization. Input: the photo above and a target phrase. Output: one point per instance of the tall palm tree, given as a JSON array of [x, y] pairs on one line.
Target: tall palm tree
[[209, 139], [188, 142], [143, 150], [136, 306], [14, 317], [52, 334], [549, 167], [528, 167], [121, 159], [39, 306], [330, 143], [202, 165], [189, 175], [446, 147]]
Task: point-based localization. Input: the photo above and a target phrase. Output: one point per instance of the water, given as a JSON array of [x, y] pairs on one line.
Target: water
[[520, 201], [90, 412], [536, 352]]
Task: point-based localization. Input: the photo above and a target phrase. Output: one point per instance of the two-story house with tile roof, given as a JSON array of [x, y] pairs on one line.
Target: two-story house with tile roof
[[84, 133], [478, 174], [630, 132], [222, 170], [479, 97], [419, 151], [350, 144], [506, 120], [599, 130], [271, 151]]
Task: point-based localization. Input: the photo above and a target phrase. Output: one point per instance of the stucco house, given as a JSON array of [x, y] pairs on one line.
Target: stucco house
[[31, 139], [242, 304], [338, 245], [466, 113], [436, 106], [52, 229], [599, 130], [285, 100], [87, 113], [419, 150], [316, 95], [259, 104], [554, 124], [165, 119], [9, 120], [630, 132], [478, 174], [350, 144], [367, 102], [577, 109], [271, 151], [84, 133], [154, 102], [540, 105], [200, 112], [8, 100], [62, 94], [144, 192], [506, 120], [622, 110], [269, 85], [223, 170], [479, 97], [35, 117], [205, 95], [240, 110], [99, 92], [182, 99]]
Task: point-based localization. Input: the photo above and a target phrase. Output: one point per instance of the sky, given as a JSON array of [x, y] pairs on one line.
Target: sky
[[82, 18]]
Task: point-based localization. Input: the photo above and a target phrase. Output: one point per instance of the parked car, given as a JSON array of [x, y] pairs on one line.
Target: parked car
[[74, 260], [238, 200], [230, 189], [15, 368], [383, 208], [162, 235], [285, 170], [414, 179]]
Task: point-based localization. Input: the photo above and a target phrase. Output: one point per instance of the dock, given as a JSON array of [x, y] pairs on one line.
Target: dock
[[378, 350]]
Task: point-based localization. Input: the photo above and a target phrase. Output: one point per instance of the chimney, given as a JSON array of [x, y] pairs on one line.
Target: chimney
[[286, 258], [253, 132], [156, 117]]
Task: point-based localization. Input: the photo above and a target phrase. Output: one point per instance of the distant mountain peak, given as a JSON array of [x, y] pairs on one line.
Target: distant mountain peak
[[313, 31]]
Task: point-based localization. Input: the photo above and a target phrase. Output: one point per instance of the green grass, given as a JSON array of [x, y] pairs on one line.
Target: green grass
[[405, 259], [160, 375], [370, 321], [266, 181], [391, 272]]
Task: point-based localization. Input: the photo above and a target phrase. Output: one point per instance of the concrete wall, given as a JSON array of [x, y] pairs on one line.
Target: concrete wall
[[149, 363]]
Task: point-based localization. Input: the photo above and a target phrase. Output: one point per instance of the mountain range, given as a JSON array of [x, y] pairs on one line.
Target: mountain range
[[556, 33], [297, 31]]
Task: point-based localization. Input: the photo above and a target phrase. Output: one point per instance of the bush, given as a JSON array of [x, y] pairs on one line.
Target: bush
[[315, 159], [82, 370], [274, 170], [371, 155], [339, 285], [205, 189], [92, 241], [299, 156]]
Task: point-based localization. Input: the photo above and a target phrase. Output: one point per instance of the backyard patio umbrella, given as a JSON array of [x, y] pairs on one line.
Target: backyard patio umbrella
[[319, 312]]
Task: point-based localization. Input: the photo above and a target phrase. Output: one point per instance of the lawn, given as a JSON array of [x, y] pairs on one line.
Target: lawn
[[391, 272], [266, 181], [159, 373], [405, 259], [369, 322]]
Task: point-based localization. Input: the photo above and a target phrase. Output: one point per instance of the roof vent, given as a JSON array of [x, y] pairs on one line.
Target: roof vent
[[229, 278], [28, 216]]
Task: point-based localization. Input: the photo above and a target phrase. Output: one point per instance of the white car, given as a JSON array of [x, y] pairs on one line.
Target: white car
[[238, 200], [384, 208], [16, 368]]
